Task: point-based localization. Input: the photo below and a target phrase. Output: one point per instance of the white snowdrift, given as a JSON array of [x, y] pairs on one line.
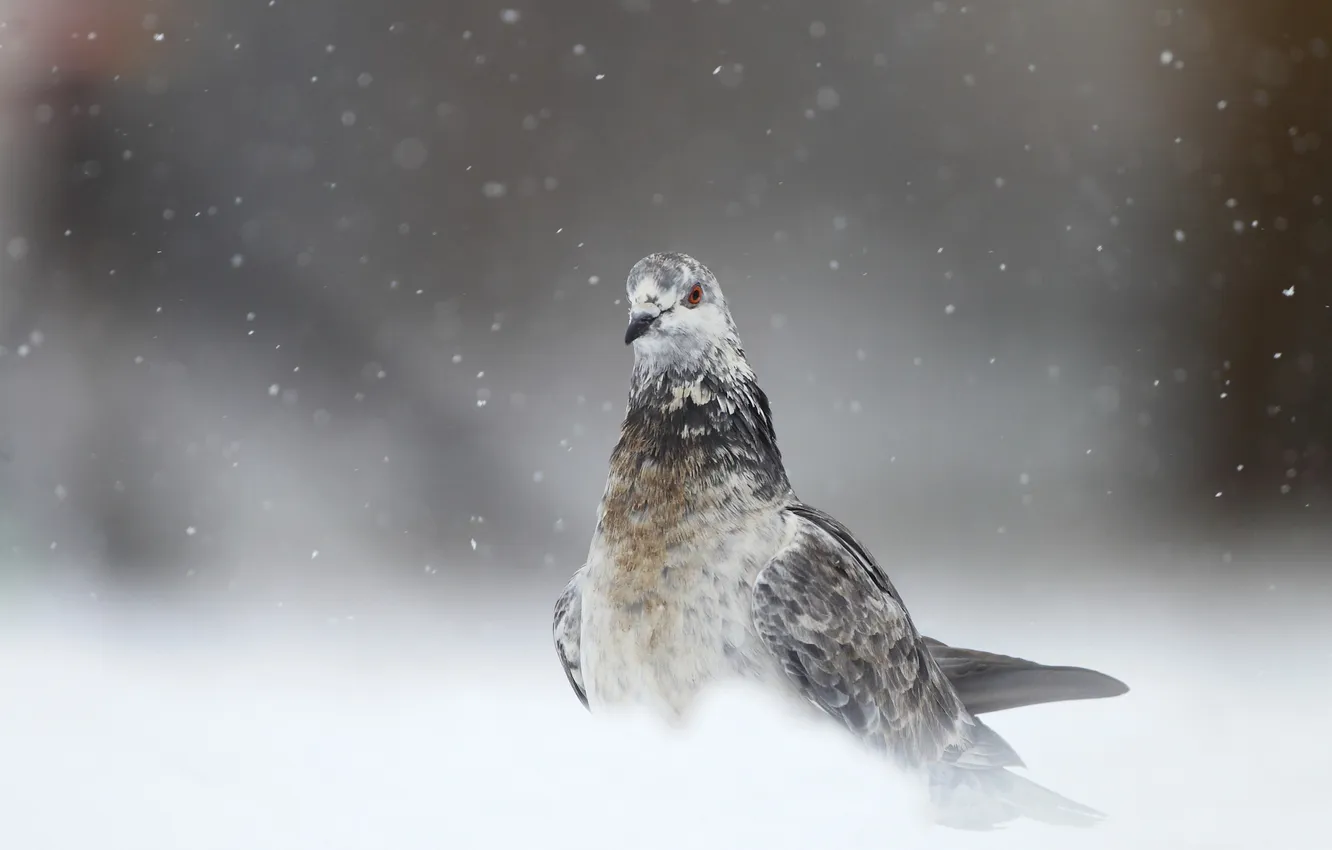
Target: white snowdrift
[[110, 742]]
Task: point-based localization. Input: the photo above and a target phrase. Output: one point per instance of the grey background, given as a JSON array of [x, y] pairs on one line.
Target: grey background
[[982, 256]]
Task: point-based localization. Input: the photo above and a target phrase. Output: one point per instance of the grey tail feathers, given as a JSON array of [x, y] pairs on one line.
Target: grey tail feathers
[[1016, 686], [982, 800], [988, 681]]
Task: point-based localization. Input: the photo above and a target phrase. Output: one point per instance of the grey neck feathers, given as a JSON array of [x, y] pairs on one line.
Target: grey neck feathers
[[709, 417]]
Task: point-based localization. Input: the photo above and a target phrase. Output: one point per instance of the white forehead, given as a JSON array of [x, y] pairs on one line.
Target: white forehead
[[647, 287], [664, 277]]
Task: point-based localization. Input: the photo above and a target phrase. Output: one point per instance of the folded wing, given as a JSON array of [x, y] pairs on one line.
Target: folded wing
[[838, 628], [841, 633], [566, 628]]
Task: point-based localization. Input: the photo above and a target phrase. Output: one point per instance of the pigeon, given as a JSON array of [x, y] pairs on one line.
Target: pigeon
[[705, 566]]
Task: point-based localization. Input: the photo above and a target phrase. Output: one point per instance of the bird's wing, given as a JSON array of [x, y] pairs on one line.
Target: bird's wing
[[988, 681], [567, 630], [838, 628]]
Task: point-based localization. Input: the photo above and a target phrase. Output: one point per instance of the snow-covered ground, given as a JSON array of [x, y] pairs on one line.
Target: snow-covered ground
[[160, 730]]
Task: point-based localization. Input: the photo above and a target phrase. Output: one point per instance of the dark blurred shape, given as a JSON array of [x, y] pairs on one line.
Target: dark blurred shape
[[1268, 315]]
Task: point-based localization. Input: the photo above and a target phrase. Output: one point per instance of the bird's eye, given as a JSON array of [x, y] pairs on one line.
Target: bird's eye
[[695, 296]]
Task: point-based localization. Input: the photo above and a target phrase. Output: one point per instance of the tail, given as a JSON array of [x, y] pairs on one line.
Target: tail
[[988, 681], [972, 799]]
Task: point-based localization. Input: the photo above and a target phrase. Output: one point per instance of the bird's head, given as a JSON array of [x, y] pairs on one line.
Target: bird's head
[[677, 314]]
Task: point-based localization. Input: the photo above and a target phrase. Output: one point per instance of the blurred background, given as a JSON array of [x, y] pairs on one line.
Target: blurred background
[[341, 277], [314, 306]]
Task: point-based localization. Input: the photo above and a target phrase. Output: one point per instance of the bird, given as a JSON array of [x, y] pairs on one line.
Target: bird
[[704, 566]]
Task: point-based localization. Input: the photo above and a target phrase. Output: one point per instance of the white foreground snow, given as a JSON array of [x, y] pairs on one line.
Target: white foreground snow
[[166, 736]]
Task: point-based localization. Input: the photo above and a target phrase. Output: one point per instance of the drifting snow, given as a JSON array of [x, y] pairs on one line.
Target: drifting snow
[[165, 738]]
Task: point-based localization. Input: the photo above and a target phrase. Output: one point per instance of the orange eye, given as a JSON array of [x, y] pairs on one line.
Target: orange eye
[[695, 296]]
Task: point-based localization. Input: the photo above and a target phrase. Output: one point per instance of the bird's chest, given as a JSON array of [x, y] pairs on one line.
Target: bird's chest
[[657, 633]]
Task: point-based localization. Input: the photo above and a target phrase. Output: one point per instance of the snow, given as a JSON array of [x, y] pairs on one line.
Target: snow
[[153, 729]]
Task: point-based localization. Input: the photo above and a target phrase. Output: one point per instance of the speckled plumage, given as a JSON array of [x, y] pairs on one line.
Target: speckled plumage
[[705, 566]]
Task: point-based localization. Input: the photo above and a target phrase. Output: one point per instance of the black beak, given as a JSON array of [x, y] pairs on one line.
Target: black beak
[[639, 323]]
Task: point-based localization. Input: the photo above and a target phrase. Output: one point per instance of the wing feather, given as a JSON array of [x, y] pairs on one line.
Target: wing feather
[[839, 629], [985, 681], [567, 629]]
